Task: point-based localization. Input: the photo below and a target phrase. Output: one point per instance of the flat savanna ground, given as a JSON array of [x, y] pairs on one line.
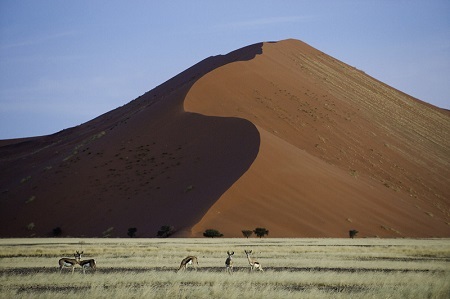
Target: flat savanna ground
[[293, 268]]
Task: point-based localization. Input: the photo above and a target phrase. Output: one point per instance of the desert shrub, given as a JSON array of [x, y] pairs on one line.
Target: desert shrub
[[25, 179], [247, 233], [212, 233], [261, 232], [165, 231], [31, 199], [107, 233], [57, 231], [352, 233], [30, 226], [132, 232]]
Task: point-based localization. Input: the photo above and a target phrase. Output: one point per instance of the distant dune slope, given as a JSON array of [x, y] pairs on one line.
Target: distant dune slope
[[275, 135], [339, 149]]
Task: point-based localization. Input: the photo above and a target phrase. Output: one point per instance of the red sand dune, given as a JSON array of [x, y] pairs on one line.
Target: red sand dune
[[275, 135]]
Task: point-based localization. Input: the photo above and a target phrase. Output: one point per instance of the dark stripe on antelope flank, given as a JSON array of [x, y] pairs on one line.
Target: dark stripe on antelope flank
[[68, 261]]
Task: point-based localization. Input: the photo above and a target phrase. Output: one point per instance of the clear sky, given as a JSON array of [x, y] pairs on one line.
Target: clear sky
[[63, 63]]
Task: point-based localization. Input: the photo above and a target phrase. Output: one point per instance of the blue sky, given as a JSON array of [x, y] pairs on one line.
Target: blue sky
[[63, 63]]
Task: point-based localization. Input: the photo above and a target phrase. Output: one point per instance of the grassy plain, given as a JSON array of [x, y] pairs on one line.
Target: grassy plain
[[293, 268]]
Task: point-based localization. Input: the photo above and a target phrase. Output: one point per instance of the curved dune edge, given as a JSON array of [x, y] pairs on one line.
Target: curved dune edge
[[302, 196], [277, 135], [293, 189], [144, 165]]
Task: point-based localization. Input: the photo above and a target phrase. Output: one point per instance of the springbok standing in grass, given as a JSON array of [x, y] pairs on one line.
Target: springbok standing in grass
[[229, 262], [254, 265], [190, 260], [70, 263], [88, 264]]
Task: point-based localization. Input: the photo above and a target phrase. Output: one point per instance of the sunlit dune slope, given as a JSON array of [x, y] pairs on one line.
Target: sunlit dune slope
[[339, 149]]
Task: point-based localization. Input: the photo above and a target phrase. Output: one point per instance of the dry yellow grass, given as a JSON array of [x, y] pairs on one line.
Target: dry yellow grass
[[307, 268]]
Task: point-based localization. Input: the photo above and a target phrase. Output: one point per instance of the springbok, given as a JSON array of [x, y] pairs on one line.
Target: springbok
[[88, 264], [190, 260], [254, 265], [67, 262], [229, 262]]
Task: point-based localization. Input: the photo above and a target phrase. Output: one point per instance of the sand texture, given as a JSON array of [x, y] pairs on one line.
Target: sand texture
[[275, 135]]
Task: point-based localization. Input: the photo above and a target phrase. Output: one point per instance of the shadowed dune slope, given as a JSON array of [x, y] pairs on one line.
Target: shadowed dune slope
[[144, 165], [275, 135], [339, 149]]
